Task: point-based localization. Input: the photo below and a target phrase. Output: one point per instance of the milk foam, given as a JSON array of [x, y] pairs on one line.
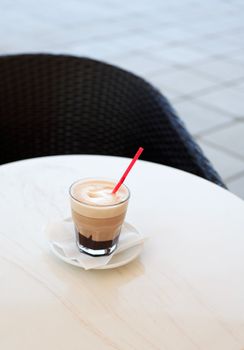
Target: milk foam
[[98, 193], [93, 198]]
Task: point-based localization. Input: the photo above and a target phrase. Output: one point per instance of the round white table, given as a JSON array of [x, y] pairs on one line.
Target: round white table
[[185, 291]]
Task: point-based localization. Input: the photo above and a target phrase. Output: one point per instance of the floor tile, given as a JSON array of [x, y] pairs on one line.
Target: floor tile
[[158, 81], [99, 50], [185, 81], [224, 164], [230, 138], [228, 99], [137, 41], [169, 34], [237, 186], [238, 56], [140, 64], [220, 70], [178, 55], [203, 28], [199, 119], [240, 86], [217, 45]]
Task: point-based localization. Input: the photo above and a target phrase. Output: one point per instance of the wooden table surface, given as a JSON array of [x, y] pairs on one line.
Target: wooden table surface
[[184, 292]]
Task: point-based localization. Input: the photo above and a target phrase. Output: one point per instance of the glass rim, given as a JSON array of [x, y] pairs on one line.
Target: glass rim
[[98, 205]]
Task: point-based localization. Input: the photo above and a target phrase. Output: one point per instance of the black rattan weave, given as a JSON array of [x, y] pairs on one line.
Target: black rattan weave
[[67, 105]]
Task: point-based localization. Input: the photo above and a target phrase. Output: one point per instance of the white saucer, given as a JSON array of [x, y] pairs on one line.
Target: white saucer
[[119, 258]]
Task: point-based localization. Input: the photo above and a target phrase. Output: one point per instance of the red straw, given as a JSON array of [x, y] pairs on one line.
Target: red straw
[[123, 177]]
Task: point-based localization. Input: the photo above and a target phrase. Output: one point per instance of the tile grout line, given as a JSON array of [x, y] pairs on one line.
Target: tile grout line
[[222, 126], [216, 128], [235, 176], [222, 149], [226, 83], [216, 109]]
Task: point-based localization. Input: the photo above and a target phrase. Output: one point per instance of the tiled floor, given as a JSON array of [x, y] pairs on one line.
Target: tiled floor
[[192, 50]]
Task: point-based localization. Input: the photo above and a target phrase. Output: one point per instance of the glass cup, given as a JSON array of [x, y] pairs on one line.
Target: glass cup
[[97, 225]]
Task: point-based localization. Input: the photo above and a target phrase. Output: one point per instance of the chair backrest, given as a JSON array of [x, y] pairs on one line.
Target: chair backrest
[[68, 105]]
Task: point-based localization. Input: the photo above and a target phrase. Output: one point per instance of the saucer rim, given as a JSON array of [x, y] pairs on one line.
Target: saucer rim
[[137, 250]]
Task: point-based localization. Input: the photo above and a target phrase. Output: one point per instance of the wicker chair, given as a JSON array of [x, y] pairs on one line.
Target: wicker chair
[[53, 105]]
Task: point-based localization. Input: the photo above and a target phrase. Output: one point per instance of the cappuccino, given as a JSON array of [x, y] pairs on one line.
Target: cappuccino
[[98, 214]]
